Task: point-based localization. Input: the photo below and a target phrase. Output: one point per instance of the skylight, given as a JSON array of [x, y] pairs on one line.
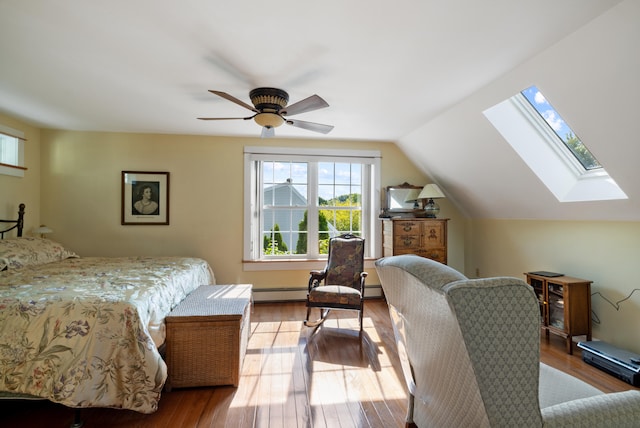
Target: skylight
[[536, 131], [560, 128]]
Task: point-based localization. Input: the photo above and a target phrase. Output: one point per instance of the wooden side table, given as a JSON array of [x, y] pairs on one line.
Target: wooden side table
[[565, 305]]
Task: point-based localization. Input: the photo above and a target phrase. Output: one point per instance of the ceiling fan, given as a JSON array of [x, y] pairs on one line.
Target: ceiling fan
[[271, 110]]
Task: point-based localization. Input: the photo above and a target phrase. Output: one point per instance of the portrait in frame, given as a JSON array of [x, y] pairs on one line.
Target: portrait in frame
[[145, 198]]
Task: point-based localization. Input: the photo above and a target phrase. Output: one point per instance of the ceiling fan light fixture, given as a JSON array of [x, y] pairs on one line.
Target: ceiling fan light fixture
[[269, 120]]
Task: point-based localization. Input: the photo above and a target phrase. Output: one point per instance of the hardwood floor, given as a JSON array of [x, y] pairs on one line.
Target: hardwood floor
[[293, 377]]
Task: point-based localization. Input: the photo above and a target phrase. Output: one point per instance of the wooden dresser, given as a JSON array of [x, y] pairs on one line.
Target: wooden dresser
[[425, 237]]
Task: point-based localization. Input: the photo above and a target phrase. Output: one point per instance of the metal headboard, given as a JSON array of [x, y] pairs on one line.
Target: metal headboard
[[17, 224]]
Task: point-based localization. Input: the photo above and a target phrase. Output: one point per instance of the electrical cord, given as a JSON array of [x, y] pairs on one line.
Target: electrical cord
[[616, 305]]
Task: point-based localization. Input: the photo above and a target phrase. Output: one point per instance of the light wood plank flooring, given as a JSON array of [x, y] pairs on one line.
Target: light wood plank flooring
[[293, 377]]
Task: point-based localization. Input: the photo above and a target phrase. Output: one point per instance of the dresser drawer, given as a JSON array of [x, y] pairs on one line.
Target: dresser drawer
[[406, 242], [437, 254], [406, 227]]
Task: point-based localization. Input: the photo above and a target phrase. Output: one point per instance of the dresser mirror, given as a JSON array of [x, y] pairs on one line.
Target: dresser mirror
[[399, 198]]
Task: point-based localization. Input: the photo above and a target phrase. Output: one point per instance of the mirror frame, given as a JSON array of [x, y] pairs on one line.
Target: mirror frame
[[395, 193]]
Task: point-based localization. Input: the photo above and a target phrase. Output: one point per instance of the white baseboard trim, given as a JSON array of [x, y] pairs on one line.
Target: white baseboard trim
[[300, 294]]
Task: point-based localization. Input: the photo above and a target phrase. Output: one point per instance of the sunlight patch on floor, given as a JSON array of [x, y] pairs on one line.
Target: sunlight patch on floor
[[333, 358]]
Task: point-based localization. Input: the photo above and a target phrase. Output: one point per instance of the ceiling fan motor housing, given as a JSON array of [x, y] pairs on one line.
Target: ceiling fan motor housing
[[269, 99]]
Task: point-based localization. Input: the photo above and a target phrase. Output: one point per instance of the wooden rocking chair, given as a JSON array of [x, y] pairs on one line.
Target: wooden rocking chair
[[341, 284]]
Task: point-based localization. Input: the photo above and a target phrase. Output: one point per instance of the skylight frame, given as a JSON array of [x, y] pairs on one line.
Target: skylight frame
[[537, 116], [550, 137], [547, 156]]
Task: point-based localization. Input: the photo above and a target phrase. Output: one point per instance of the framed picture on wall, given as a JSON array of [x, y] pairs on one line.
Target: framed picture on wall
[[145, 197]]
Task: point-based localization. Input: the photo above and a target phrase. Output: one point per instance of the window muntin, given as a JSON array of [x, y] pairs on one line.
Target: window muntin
[[339, 201], [285, 210], [561, 129], [297, 202], [284, 195]]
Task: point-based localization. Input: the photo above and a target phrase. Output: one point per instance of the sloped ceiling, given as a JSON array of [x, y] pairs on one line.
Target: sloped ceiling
[[591, 77], [416, 72]]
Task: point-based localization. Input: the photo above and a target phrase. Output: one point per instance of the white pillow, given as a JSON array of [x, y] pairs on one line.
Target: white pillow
[[20, 252]]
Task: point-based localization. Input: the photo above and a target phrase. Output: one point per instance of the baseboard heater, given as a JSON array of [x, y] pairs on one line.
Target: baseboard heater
[[299, 294], [622, 364]]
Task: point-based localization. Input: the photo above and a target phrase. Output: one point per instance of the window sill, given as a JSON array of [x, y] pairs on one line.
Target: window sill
[[14, 170], [292, 264], [8, 165]]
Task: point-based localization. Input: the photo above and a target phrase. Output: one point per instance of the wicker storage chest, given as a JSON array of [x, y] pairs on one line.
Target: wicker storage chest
[[207, 335]]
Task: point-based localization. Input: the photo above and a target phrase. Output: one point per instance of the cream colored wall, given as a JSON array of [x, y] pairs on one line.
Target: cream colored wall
[[395, 171], [26, 190], [73, 185], [81, 196], [604, 252]]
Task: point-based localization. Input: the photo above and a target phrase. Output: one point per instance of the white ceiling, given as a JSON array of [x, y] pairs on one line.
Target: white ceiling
[[386, 68], [146, 65]]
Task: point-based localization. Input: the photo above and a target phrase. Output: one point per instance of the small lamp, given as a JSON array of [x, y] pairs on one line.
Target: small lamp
[[412, 196], [43, 230], [429, 193]]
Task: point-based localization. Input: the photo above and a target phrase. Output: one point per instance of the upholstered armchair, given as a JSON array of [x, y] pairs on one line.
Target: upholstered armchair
[[341, 284], [470, 354]]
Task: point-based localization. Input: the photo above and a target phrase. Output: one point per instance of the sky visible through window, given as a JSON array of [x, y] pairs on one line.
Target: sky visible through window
[[560, 127], [335, 179]]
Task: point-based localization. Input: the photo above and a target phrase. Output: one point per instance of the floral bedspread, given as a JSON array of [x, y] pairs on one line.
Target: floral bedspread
[[84, 332]]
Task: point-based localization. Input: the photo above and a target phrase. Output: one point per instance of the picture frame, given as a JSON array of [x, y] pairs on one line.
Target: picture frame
[[145, 198]]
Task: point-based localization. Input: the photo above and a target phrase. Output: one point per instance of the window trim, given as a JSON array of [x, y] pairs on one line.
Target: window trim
[[370, 226]]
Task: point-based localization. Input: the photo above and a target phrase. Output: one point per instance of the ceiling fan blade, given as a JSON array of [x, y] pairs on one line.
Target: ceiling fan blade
[[314, 102], [226, 118], [268, 132], [231, 68], [233, 100], [311, 126]]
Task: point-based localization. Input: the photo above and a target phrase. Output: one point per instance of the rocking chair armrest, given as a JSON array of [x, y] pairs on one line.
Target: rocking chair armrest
[[315, 276], [363, 275], [318, 274]]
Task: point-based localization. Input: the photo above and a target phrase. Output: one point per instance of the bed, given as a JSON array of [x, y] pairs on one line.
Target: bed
[[86, 331]]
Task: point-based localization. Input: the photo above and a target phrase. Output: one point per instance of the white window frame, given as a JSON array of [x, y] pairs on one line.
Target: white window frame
[[547, 156], [12, 152], [370, 226]]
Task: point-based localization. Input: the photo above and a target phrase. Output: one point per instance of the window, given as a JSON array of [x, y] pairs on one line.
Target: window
[[298, 201], [573, 144], [11, 152], [554, 153]]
